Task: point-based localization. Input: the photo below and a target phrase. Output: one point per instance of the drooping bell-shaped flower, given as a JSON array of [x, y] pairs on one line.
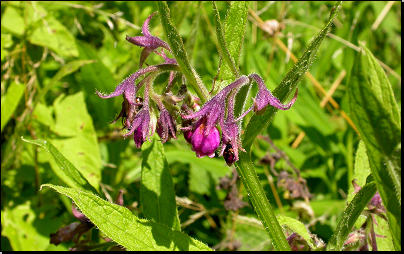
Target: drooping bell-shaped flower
[[231, 142], [203, 144], [214, 110], [265, 97]]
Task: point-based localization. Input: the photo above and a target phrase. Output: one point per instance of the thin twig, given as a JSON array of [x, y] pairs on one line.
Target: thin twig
[[382, 14]]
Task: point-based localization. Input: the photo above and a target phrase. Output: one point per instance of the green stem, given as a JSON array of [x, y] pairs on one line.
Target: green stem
[[178, 50], [262, 207]]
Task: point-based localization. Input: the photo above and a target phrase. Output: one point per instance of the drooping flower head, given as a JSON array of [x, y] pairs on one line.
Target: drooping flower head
[[215, 109], [212, 113], [231, 142], [265, 97], [149, 42]]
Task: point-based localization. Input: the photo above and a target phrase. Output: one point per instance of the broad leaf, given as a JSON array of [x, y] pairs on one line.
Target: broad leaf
[[373, 113], [124, 228], [157, 191]]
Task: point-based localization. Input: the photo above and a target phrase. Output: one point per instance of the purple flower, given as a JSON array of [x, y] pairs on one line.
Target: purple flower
[[166, 126], [149, 42], [231, 142], [265, 97], [140, 126], [203, 144], [214, 110]]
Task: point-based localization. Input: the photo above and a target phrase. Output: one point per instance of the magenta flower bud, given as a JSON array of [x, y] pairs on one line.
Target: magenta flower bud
[[205, 144]]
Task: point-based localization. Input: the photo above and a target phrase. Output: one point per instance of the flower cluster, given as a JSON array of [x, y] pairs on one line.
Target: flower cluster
[[207, 127]]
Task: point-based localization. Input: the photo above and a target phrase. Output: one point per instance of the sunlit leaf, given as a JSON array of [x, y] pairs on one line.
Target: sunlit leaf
[[124, 228], [157, 191]]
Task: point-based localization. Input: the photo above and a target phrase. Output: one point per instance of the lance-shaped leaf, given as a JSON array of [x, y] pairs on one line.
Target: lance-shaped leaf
[[157, 191], [124, 228], [289, 83], [375, 114]]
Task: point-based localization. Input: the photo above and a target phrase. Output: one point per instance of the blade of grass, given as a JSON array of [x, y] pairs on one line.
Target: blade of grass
[[350, 216]]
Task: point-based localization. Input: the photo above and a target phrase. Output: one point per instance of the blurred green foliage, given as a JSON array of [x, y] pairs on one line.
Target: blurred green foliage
[[54, 55]]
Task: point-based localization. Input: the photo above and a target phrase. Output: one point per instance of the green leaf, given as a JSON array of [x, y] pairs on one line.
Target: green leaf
[[202, 170], [235, 27], [12, 21], [361, 169], [297, 227], [157, 191], [177, 46], [20, 225], [66, 69], [56, 37], [381, 85], [9, 102], [66, 172], [373, 113], [289, 83], [124, 228], [350, 216], [96, 77], [224, 51]]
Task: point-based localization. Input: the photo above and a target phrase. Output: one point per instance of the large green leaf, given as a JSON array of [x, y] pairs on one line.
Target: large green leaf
[[157, 191], [373, 111], [66, 171], [350, 216], [177, 46], [124, 228], [56, 37]]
